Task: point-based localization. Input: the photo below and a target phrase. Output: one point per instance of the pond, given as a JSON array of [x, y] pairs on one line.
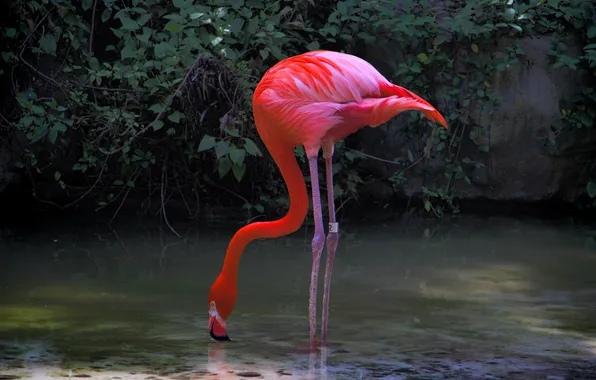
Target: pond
[[482, 299]]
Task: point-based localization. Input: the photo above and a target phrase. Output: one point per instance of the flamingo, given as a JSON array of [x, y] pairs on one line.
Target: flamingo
[[314, 100]]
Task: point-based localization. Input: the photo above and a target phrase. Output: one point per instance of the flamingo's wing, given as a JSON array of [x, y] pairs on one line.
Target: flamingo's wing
[[311, 94], [321, 76]]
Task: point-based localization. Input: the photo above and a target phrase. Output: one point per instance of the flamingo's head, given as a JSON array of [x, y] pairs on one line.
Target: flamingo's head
[[222, 298]]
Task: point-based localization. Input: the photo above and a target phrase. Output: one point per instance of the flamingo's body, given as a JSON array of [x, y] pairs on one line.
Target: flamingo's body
[[314, 100]]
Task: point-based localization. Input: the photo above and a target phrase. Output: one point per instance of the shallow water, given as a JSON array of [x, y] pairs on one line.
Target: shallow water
[[484, 299]]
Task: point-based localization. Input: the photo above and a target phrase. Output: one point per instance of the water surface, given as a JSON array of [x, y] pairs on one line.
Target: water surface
[[484, 299]]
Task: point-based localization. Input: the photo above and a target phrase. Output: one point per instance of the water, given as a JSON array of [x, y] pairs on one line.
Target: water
[[481, 300]]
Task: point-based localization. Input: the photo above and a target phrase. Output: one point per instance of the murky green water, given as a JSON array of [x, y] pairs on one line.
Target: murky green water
[[485, 299]]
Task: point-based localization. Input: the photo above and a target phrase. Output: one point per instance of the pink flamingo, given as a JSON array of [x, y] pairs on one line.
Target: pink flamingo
[[314, 100]]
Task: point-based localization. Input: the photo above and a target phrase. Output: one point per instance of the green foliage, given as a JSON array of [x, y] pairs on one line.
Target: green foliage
[[435, 46], [144, 92], [112, 99]]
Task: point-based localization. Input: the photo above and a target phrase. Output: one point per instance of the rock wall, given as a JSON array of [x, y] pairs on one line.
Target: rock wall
[[522, 163]]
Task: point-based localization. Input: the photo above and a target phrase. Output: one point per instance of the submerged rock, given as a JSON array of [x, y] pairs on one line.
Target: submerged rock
[[248, 374]]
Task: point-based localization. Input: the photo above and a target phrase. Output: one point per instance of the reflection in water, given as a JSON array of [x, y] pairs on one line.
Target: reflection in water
[[217, 359], [503, 299], [222, 367]]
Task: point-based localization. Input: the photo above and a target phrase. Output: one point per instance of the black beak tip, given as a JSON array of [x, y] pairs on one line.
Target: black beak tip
[[220, 338]]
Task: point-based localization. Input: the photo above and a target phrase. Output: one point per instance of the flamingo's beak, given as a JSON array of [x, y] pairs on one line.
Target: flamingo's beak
[[217, 328]]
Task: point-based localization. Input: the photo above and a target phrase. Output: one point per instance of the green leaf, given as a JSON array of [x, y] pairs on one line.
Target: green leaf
[[144, 37], [47, 43], [251, 148], [174, 27], [277, 53], [38, 133], [237, 155], [585, 119], [236, 4], [238, 171], [442, 37], [474, 48], [182, 3], [253, 24], [129, 51], [216, 40], [410, 156], [94, 63], [106, 14], [427, 205], [591, 188], [57, 175], [313, 46], [26, 121], [221, 148], [144, 19], [236, 25], [254, 4], [161, 49], [86, 4], [8, 57], [207, 142], [10, 32], [59, 127], [174, 117], [127, 23], [509, 14], [224, 167], [231, 132], [38, 110], [415, 68], [52, 135], [158, 125], [156, 108]]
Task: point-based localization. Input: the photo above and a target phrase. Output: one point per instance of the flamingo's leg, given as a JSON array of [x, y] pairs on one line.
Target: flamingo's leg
[[318, 242], [332, 238]]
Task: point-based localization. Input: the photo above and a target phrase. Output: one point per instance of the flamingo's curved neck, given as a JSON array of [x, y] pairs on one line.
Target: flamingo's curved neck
[[285, 159]]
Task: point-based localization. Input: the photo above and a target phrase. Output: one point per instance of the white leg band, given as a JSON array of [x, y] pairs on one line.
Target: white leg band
[[334, 227]]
